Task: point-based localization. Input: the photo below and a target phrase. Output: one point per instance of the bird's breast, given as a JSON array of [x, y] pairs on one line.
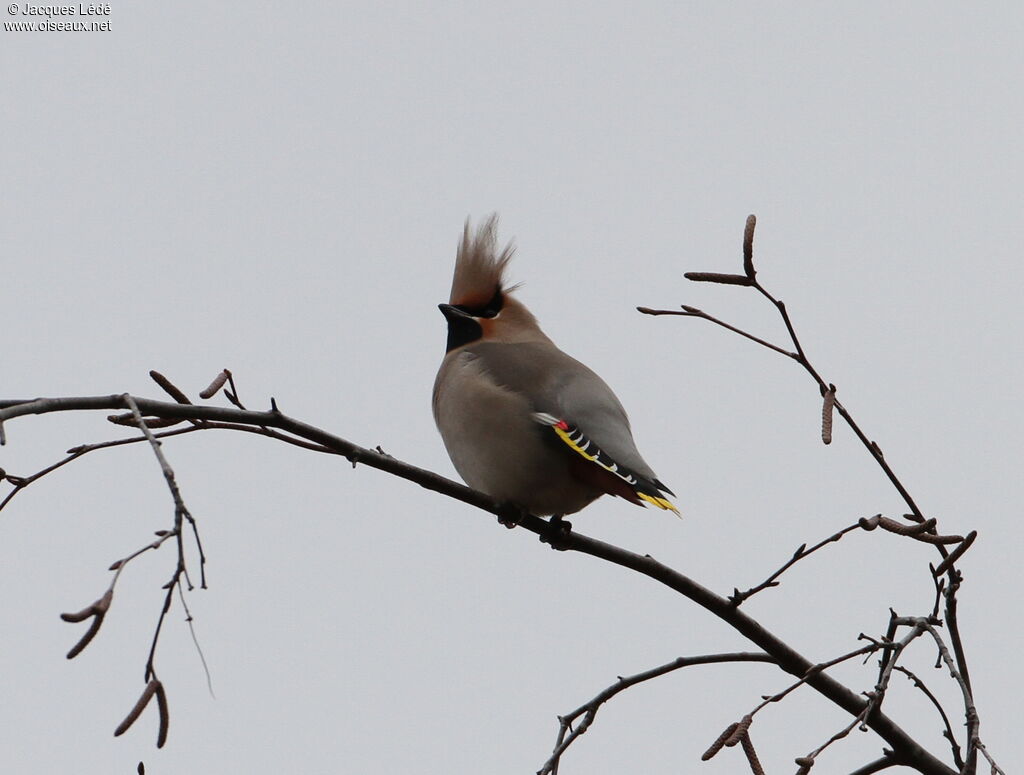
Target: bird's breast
[[495, 444]]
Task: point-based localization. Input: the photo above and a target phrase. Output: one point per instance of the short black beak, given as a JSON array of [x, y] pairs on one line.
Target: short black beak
[[452, 313]]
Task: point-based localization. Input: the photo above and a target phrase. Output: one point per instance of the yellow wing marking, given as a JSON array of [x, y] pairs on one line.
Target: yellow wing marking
[[564, 436], [661, 503]]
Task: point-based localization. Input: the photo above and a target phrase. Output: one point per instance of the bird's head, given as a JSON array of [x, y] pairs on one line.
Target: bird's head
[[481, 307]]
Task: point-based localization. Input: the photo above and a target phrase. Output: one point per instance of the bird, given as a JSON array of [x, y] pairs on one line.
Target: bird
[[521, 420]]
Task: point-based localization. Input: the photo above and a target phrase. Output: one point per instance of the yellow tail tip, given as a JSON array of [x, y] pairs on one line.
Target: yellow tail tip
[[662, 503]]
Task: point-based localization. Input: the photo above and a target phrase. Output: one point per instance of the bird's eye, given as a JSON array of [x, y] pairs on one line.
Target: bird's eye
[[493, 307]]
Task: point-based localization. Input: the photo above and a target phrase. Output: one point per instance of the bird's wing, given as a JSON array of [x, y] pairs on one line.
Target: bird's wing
[[579, 409], [640, 487]]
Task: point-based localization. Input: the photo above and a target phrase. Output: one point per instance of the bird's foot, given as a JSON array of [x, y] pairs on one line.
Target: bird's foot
[[557, 533], [510, 515]]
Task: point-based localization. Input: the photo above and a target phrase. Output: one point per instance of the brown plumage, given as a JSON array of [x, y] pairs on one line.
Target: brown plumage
[[521, 420], [479, 272]]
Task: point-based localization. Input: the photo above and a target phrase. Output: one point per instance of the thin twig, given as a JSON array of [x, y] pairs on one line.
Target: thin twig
[[181, 514], [98, 610], [567, 735], [948, 730], [693, 312], [970, 711], [815, 670], [859, 719], [737, 597], [918, 531], [195, 640], [801, 357], [996, 769], [19, 483], [738, 731], [889, 659]]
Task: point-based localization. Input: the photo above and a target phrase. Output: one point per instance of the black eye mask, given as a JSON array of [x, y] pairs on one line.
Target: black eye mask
[[489, 310]]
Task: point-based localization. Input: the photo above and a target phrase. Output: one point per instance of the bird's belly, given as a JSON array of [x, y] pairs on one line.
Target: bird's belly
[[499, 449], [526, 473]]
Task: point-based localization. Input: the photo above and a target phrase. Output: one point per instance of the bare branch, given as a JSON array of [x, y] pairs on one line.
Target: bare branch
[[737, 597], [806, 762], [588, 710], [195, 640], [995, 768], [693, 312], [787, 658], [153, 422], [918, 531], [866, 711], [738, 731], [948, 730], [800, 356], [970, 711]]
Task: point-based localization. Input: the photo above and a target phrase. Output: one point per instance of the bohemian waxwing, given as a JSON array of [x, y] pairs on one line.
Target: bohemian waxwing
[[521, 420]]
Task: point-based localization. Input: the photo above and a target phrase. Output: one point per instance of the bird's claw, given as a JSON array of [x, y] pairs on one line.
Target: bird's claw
[[510, 515], [557, 533]]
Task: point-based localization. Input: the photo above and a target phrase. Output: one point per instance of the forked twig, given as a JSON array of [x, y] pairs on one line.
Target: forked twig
[[567, 735], [693, 312], [737, 597], [97, 611], [948, 730], [919, 531], [749, 279], [737, 731]]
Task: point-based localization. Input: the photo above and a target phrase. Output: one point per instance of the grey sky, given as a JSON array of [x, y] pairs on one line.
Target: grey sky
[[281, 193]]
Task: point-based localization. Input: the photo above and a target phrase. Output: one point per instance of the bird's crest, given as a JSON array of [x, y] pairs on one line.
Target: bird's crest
[[479, 269]]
